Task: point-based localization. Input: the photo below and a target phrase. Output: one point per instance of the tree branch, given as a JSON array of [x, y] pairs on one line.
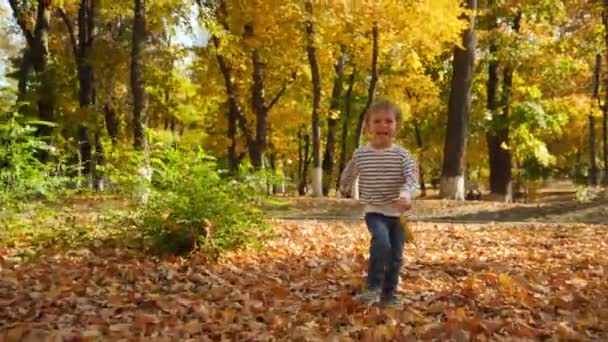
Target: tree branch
[[283, 89], [18, 15], [70, 28]]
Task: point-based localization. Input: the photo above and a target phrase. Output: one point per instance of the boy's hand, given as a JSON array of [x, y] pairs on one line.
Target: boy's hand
[[403, 204]]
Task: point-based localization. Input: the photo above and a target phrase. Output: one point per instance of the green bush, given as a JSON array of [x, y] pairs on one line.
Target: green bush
[[191, 205], [22, 174]]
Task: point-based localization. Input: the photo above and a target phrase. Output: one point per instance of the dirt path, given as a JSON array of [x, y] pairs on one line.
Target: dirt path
[[557, 209], [460, 281]]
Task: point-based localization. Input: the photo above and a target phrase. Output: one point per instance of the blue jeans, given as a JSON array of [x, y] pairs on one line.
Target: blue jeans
[[386, 252]]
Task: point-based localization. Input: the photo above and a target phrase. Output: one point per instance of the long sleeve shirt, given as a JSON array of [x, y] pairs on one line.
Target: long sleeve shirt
[[384, 176]]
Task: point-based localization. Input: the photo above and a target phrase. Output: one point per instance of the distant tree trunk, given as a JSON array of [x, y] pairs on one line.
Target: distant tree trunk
[[303, 160], [420, 158], [25, 70], [260, 110], [499, 152], [236, 116], [593, 171], [138, 88], [86, 78], [140, 142], [317, 174], [36, 54], [332, 123], [111, 121], [233, 158], [371, 91], [454, 153], [258, 103], [98, 160], [605, 107], [235, 112], [345, 122]]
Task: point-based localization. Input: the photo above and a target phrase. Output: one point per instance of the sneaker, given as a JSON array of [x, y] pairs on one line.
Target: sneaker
[[391, 301], [368, 296]]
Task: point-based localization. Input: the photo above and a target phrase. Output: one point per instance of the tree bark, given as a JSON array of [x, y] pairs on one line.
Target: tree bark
[[346, 121], [420, 158], [303, 160], [593, 170], [454, 153], [41, 60], [498, 135], [236, 116], [260, 108], [605, 107], [233, 158], [235, 112], [371, 91], [140, 142], [111, 121], [25, 70], [332, 123], [317, 179]]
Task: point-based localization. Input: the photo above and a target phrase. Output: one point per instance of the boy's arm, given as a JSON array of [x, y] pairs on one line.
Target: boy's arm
[[410, 187], [347, 178]]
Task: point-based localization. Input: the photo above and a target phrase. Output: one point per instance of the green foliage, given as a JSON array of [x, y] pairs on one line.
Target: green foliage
[[121, 169], [534, 169], [192, 205], [22, 175], [586, 194], [528, 121]]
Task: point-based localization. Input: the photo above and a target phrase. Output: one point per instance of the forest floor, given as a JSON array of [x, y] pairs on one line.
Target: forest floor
[[477, 271]]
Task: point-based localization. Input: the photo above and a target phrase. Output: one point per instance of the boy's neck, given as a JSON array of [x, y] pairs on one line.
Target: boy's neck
[[380, 146]]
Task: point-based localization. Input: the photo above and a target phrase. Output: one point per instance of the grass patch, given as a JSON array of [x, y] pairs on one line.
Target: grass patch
[[275, 204]]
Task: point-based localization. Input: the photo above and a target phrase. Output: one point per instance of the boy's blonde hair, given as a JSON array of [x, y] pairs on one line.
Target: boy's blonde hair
[[383, 106]]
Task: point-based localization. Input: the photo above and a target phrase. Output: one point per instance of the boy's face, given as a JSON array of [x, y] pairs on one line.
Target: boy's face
[[381, 128]]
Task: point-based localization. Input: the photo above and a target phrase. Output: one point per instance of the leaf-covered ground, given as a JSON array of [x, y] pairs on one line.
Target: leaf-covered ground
[[461, 283]]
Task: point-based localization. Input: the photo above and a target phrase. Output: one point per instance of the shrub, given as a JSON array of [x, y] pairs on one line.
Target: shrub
[[192, 205], [22, 174]]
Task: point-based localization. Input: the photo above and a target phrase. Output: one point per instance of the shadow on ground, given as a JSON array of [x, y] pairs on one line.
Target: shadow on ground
[[437, 210]]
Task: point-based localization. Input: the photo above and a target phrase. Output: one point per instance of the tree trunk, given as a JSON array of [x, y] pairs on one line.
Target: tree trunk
[[420, 158], [346, 121], [111, 121], [605, 107], [236, 116], [303, 160], [138, 88], [371, 91], [36, 55], [260, 110], [592, 153], [25, 70], [86, 78], [235, 112], [317, 175], [593, 171], [40, 57], [140, 142], [98, 160], [497, 137], [454, 153], [332, 123], [233, 158]]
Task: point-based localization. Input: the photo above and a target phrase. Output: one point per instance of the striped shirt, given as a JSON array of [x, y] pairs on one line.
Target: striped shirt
[[384, 176]]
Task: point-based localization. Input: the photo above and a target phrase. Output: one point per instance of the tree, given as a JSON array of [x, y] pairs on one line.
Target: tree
[[317, 181], [452, 175], [36, 55], [498, 135], [332, 123], [140, 142], [82, 42]]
